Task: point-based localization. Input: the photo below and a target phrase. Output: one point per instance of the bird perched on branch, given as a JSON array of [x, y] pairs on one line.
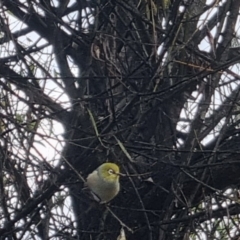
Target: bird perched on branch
[[104, 182]]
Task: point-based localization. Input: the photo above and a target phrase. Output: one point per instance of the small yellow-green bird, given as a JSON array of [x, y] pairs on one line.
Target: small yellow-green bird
[[104, 182]]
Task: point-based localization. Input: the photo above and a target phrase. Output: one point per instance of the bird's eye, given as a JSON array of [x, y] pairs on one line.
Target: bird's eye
[[110, 171]]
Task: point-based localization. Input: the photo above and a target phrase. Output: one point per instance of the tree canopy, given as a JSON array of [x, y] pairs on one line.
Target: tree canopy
[[150, 85]]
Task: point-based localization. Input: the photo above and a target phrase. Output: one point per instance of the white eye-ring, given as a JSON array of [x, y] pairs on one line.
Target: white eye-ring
[[110, 171]]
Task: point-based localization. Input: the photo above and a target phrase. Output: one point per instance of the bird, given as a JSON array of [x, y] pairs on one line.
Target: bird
[[104, 182]]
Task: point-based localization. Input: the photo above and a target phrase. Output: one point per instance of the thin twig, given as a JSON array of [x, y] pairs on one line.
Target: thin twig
[[119, 220]]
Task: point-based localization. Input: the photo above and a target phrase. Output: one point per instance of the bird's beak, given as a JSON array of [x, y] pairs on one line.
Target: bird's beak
[[121, 174]]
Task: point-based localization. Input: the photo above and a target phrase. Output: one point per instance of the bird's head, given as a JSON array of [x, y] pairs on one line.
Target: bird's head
[[109, 172]]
